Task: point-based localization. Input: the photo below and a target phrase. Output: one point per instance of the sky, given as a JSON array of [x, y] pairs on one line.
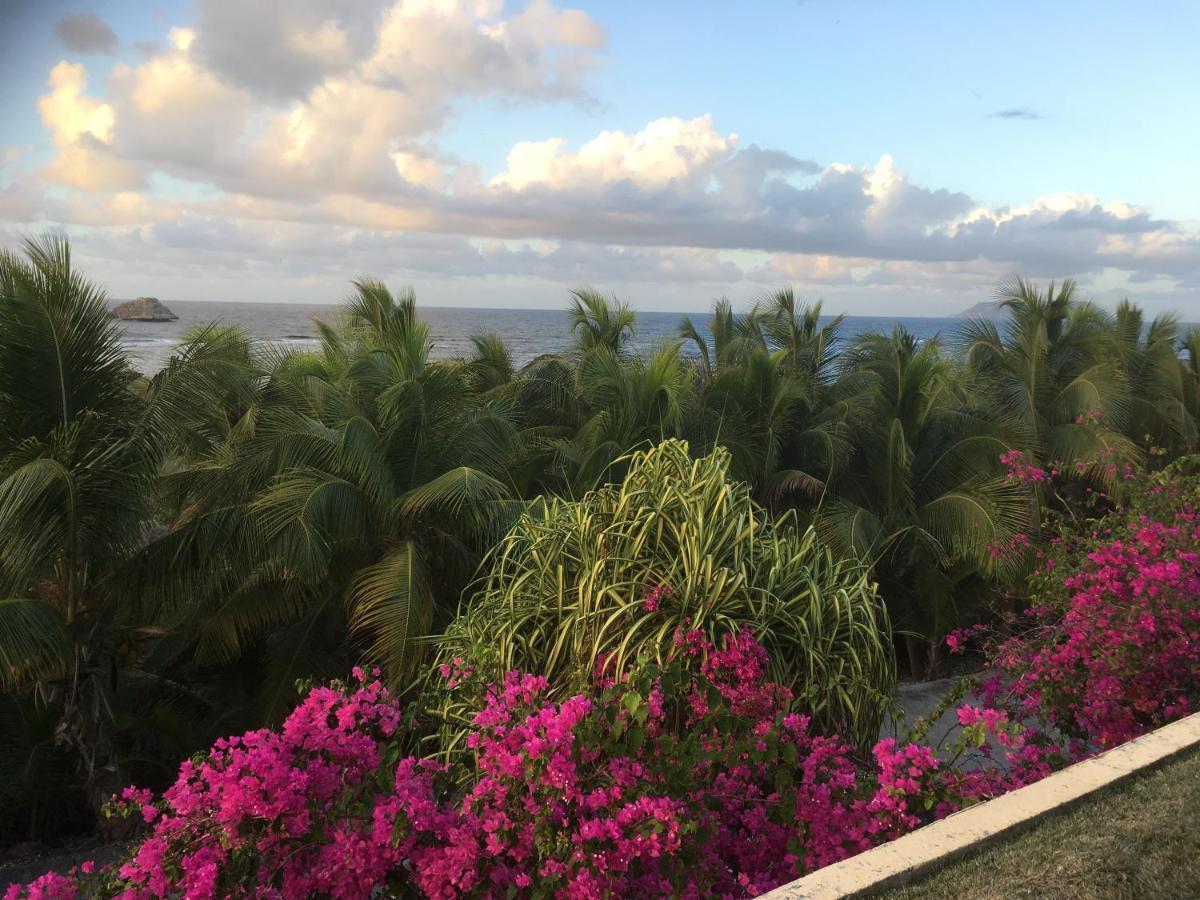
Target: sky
[[888, 157]]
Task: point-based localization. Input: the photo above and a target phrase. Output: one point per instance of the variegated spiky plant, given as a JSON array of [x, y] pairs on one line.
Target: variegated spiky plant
[[567, 588]]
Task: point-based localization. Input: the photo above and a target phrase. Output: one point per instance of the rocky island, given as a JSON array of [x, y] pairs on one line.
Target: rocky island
[[144, 309], [988, 309]]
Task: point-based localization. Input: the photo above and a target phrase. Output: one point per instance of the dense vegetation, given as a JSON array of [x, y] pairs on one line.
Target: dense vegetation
[[690, 773], [179, 554], [599, 582]]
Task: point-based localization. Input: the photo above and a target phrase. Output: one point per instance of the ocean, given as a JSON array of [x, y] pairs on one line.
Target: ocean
[[527, 332]]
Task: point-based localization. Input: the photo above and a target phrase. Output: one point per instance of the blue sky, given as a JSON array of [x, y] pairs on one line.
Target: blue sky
[[853, 80], [890, 181]]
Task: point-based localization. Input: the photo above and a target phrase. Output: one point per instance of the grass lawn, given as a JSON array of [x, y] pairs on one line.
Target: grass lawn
[[1138, 840]]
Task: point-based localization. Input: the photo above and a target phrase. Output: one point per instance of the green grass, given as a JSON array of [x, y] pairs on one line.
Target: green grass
[[1138, 840]]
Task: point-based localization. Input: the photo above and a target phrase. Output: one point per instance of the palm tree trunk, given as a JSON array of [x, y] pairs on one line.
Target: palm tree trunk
[[923, 655], [87, 726], [935, 657], [916, 657]]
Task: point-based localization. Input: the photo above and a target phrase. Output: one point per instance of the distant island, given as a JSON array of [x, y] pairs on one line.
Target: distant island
[[988, 309], [144, 309]]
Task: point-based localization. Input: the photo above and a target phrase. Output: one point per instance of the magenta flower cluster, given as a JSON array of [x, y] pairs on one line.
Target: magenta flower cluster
[[687, 777], [695, 777], [1020, 470], [1113, 649]]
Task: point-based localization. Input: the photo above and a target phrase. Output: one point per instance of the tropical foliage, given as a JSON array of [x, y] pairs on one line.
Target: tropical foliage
[[348, 493], [78, 467], [583, 586], [181, 554], [1056, 371], [922, 493], [691, 774]]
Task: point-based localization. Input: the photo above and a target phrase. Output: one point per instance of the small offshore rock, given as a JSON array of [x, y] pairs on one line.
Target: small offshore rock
[[144, 309]]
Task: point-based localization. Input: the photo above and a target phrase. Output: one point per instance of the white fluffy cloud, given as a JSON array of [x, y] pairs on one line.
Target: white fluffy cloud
[[297, 120], [282, 101], [174, 115], [82, 129], [665, 151]]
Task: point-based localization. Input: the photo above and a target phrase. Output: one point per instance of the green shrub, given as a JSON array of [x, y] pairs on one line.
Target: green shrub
[[567, 588]]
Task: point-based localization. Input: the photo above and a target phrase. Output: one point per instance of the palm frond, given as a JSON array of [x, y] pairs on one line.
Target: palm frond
[[60, 350], [391, 608], [34, 642], [462, 494]]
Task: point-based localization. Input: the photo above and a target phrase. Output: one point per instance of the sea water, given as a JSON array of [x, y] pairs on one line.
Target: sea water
[[528, 333]]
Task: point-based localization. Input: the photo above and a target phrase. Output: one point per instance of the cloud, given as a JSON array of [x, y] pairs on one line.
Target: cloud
[[1023, 113], [82, 129], [86, 33], [665, 151], [298, 140], [147, 49], [173, 115], [19, 204], [304, 106], [683, 184], [186, 255], [418, 50], [282, 49]]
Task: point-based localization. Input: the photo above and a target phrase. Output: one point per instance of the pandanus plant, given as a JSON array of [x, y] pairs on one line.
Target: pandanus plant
[[596, 582]]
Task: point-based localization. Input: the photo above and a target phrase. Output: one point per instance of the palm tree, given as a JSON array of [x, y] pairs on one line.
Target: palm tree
[[490, 366], [799, 340], [1190, 368], [1053, 372], [734, 337], [583, 410], [628, 403], [1158, 410], [207, 388], [78, 460], [754, 408], [767, 392], [342, 513], [923, 496], [600, 323]]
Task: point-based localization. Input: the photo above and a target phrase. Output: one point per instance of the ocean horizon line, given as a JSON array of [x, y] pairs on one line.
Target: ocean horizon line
[[421, 305]]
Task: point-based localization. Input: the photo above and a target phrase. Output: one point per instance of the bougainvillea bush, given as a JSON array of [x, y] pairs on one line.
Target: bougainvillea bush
[[693, 777], [1111, 646], [690, 775]]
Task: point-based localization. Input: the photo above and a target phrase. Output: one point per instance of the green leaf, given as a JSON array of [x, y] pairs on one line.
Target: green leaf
[[34, 642], [391, 607]]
